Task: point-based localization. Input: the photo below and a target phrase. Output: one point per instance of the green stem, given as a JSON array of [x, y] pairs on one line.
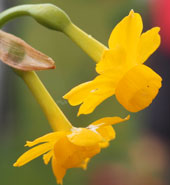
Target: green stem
[[55, 116], [11, 13], [54, 18], [86, 42], [48, 15]]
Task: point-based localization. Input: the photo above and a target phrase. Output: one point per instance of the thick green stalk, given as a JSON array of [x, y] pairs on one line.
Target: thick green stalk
[[88, 44], [11, 13], [46, 14], [54, 18], [55, 116]]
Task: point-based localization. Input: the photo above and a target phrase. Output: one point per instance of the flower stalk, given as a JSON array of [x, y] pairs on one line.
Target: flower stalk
[[86, 42], [55, 116], [54, 18], [46, 14]]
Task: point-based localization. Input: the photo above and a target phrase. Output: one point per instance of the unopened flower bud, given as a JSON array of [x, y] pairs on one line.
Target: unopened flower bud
[[46, 14]]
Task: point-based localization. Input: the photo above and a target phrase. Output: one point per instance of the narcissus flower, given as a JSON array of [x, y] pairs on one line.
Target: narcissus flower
[[71, 149], [121, 70]]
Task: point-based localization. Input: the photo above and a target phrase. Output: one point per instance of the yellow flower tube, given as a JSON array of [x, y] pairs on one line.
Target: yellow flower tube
[[138, 87]]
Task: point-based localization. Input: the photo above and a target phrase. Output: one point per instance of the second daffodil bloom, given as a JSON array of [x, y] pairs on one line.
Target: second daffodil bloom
[[71, 149], [121, 69]]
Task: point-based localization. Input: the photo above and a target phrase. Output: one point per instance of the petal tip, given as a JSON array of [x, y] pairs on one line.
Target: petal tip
[[131, 13], [16, 164], [127, 117], [28, 143], [59, 181], [45, 162], [158, 29], [79, 113], [65, 96]]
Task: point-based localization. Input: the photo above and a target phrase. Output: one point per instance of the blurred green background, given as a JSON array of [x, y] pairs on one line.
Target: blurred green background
[[26, 120]]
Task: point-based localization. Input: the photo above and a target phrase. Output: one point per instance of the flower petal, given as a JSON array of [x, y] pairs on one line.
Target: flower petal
[[126, 34], [148, 43], [78, 93], [63, 150], [107, 132], [53, 136], [58, 171], [91, 94], [113, 60], [137, 89], [84, 163], [47, 157], [84, 137], [109, 121], [104, 144], [33, 153], [103, 87], [104, 128], [70, 155], [92, 101]]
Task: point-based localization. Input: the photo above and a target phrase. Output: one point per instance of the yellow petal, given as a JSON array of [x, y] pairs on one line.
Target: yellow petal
[[109, 121], [103, 87], [149, 42], [33, 153], [92, 101], [104, 144], [53, 136], [126, 34], [47, 157], [58, 171], [79, 156], [84, 163], [63, 149], [113, 60], [138, 88], [70, 155], [91, 94], [78, 93], [103, 83], [107, 132], [84, 137], [104, 128]]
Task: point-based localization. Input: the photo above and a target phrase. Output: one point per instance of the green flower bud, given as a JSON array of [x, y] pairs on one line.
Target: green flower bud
[[54, 18], [50, 16], [46, 14]]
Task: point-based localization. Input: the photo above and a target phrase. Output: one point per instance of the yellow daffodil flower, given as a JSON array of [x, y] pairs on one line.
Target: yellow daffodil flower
[[71, 149], [121, 69]]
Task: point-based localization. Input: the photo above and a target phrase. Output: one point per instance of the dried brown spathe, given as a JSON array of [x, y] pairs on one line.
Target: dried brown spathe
[[18, 54]]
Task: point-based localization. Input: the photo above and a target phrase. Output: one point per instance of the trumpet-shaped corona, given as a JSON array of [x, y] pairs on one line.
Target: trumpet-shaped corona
[[71, 149], [121, 69]]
